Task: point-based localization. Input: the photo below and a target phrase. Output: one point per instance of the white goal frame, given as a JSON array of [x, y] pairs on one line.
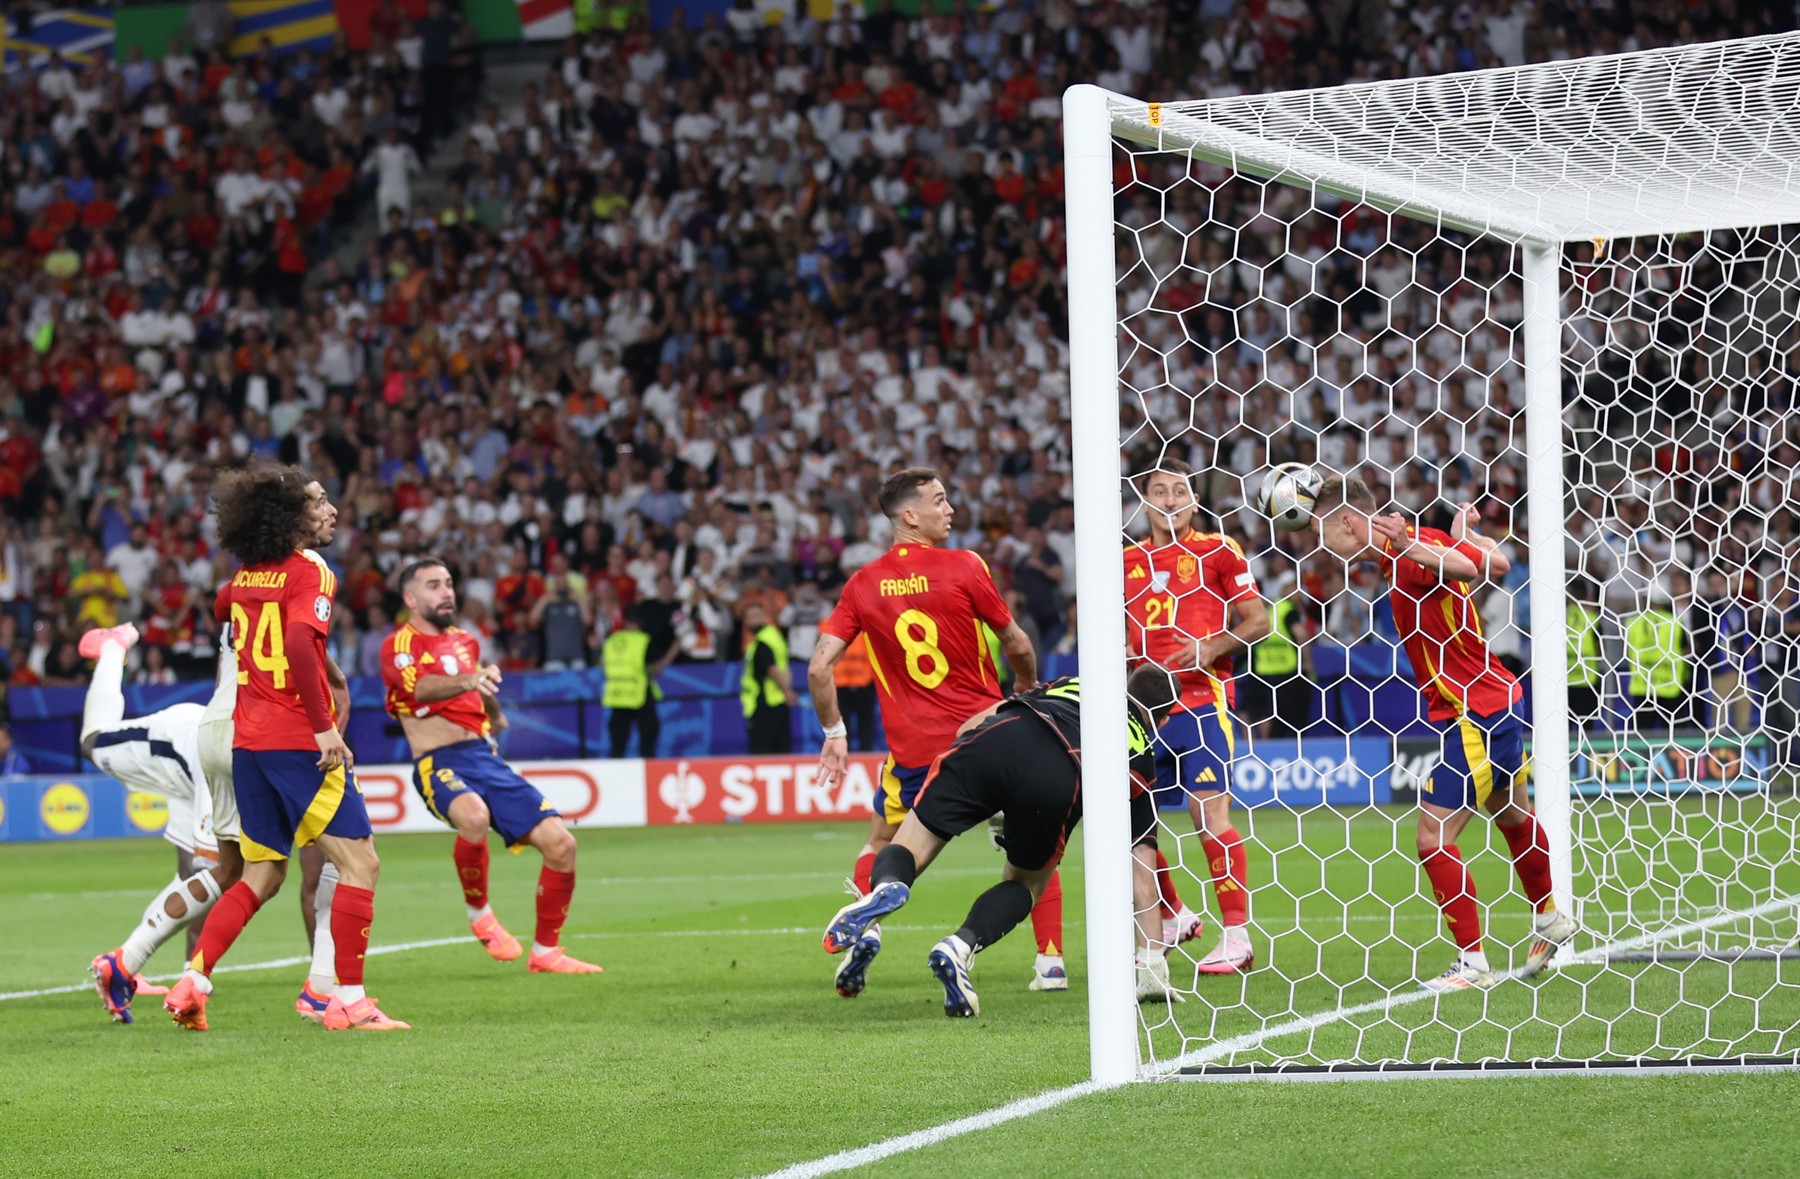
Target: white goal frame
[[1710, 177]]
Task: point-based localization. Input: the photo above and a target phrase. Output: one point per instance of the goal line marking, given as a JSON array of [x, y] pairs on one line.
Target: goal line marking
[[864, 1155]]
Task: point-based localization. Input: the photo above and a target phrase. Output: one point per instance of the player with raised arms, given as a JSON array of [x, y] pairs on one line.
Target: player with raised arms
[[1191, 604], [1474, 702], [291, 769], [447, 704], [1021, 756], [922, 607]]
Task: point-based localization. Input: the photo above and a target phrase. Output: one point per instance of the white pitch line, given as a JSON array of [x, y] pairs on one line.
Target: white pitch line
[[862, 1156], [432, 943]]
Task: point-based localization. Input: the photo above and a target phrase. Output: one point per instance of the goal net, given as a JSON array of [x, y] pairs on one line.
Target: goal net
[[1565, 294]]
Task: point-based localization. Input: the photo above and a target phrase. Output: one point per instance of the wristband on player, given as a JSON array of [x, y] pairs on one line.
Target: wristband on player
[[837, 732]]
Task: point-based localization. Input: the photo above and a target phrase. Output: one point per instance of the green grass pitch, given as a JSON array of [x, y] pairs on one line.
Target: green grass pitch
[[714, 1045]]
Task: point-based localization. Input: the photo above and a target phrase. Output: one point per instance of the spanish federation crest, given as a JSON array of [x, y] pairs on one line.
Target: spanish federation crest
[[1186, 567]]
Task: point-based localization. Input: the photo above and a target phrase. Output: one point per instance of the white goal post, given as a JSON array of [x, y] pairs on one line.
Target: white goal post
[[1541, 158]]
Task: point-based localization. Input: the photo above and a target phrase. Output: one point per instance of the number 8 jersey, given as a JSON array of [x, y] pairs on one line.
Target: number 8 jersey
[[922, 609], [259, 601]]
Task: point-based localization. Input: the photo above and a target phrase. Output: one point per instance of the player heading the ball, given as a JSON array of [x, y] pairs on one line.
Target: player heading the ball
[[1474, 703]]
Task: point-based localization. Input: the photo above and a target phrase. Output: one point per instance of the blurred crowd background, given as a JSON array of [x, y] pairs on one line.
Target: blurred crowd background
[[676, 309]]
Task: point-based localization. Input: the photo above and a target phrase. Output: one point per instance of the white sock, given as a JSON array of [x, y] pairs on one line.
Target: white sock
[[538, 947], [477, 914], [199, 980], [104, 707], [158, 927], [323, 974], [1478, 960], [347, 994]]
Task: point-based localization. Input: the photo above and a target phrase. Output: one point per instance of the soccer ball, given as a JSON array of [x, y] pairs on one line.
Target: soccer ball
[[1287, 496]]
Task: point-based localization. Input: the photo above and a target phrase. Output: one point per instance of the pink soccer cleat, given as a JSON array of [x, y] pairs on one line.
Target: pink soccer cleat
[[1232, 955], [360, 1016], [555, 961], [186, 1004], [94, 641], [500, 945], [310, 1005], [146, 987]]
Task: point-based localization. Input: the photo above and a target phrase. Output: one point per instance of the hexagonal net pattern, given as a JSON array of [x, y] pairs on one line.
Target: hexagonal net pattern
[[1348, 866]]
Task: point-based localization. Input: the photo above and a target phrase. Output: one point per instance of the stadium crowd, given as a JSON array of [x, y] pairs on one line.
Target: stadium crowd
[[687, 301]]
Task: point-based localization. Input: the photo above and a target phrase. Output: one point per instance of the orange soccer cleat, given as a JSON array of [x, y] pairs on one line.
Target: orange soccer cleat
[[555, 961], [186, 1003], [500, 945], [360, 1016]]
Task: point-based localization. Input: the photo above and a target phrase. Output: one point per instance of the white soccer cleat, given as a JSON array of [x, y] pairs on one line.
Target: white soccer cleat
[[1549, 931], [1232, 955], [950, 960], [1462, 976], [1153, 985], [1048, 974], [1185, 926]]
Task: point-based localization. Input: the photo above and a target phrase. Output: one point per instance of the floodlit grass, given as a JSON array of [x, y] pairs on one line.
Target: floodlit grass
[[715, 1046]]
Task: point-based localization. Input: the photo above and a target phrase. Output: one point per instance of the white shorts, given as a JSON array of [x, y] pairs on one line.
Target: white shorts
[[160, 754], [215, 739]]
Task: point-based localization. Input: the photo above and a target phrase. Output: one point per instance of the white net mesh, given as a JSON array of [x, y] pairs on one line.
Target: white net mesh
[[1273, 320]]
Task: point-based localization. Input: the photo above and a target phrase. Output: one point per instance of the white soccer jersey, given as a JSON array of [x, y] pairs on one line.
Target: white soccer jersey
[[215, 737]]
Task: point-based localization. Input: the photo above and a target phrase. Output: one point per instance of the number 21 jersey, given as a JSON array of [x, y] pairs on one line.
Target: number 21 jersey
[[922, 608]]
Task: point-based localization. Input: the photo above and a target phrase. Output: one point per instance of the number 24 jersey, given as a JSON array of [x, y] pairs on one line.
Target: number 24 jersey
[[922, 609]]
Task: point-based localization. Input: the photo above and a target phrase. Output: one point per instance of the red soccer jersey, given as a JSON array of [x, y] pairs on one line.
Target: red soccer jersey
[[1441, 631], [922, 609], [1180, 592], [260, 601], [409, 653]]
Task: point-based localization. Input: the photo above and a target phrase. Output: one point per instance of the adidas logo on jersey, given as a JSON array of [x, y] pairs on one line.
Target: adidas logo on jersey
[[1138, 573]]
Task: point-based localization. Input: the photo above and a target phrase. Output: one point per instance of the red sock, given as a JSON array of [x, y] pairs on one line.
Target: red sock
[[1531, 860], [1230, 874], [229, 914], [352, 913], [555, 889], [1165, 884], [472, 870], [1454, 889], [864, 874], [1046, 917]]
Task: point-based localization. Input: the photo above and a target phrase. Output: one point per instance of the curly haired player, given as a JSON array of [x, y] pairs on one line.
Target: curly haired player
[[291, 769]]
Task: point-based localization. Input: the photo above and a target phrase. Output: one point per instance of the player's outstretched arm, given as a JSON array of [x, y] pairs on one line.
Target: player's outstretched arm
[[821, 678], [306, 654], [1021, 656], [1467, 528], [1448, 563]]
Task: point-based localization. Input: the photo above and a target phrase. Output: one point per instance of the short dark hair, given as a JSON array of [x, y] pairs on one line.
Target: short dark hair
[[1152, 687], [1165, 466], [1340, 490], [414, 568], [902, 487], [259, 510]]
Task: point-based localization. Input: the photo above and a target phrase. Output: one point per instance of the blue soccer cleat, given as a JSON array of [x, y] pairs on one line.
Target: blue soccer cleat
[[853, 974], [310, 1005], [950, 960], [115, 984], [847, 928]]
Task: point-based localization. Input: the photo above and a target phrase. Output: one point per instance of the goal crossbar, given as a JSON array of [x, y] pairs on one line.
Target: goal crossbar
[[1493, 151]]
